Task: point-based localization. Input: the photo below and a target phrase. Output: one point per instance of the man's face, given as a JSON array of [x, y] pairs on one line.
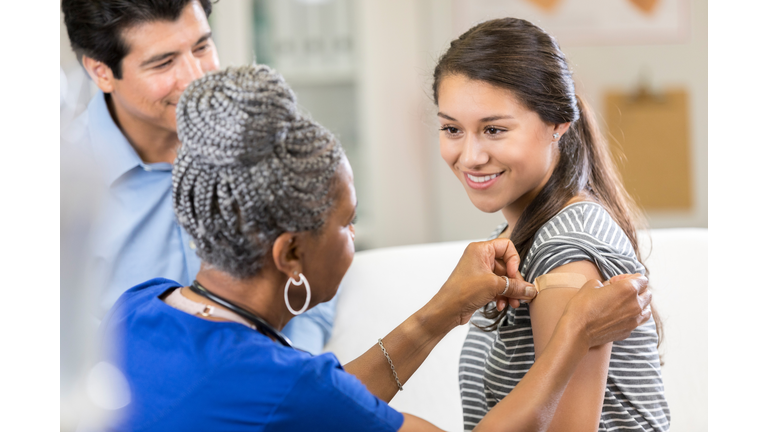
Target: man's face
[[163, 58]]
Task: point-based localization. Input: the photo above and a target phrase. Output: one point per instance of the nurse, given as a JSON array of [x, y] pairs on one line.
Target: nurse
[[268, 197]]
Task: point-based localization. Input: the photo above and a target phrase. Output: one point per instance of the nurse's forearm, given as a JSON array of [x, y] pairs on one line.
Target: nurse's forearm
[[471, 285], [529, 407], [408, 346]]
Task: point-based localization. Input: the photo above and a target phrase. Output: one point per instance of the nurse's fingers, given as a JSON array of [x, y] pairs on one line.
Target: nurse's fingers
[[516, 288], [502, 302], [506, 252], [640, 283], [499, 269]]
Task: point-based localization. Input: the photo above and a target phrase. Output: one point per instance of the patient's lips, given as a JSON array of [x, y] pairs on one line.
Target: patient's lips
[[478, 180]]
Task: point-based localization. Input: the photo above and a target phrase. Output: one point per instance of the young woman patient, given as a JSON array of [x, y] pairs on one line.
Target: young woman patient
[[521, 141]]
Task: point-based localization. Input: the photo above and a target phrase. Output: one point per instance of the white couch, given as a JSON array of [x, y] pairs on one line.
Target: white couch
[[384, 286]]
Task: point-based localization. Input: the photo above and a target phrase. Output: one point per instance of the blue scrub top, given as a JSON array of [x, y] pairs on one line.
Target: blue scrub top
[[187, 373]]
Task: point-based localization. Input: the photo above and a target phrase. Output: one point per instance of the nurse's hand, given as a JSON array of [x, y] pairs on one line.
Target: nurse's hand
[[609, 312], [477, 280], [474, 282]]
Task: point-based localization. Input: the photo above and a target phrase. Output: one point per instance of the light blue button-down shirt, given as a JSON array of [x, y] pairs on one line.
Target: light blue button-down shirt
[[136, 237]]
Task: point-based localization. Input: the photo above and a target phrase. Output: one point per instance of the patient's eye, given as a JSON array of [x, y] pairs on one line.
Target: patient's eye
[[450, 130], [493, 130]]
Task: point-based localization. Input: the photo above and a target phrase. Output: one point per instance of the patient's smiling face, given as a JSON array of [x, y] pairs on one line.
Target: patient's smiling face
[[502, 152]]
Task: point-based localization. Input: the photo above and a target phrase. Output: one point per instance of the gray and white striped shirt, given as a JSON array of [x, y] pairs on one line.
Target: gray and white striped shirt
[[492, 363]]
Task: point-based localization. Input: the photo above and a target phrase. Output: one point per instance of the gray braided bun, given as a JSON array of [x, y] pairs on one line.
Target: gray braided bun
[[251, 167]]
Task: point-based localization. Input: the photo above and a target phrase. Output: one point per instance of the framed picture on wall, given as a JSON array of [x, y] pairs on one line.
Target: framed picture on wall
[[587, 22]]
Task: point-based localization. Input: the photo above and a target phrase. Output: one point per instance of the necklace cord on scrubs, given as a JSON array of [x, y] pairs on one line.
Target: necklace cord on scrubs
[[260, 324]]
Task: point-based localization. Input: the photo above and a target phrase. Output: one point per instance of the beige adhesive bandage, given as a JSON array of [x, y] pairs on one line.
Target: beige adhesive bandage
[[559, 280]]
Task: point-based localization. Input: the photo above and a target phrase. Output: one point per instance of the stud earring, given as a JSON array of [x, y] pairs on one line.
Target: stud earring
[[555, 135]]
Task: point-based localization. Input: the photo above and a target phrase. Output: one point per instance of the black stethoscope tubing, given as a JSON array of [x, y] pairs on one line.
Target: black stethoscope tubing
[[260, 324]]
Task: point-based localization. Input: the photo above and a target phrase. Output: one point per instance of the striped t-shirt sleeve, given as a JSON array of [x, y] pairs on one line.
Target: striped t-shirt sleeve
[[582, 232], [492, 363]]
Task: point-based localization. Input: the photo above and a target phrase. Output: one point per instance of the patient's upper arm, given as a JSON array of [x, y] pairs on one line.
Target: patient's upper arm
[[556, 289], [581, 403]]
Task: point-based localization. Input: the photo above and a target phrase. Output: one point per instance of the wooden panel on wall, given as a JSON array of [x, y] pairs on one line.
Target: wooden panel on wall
[[653, 134]]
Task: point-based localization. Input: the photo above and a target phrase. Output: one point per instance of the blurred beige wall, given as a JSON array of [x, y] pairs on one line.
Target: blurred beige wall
[[232, 22], [410, 195], [684, 65]]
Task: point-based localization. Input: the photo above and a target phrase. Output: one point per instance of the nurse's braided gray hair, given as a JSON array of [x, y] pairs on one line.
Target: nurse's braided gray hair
[[251, 167]]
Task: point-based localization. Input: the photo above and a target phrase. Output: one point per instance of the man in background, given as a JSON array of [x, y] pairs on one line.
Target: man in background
[[142, 54]]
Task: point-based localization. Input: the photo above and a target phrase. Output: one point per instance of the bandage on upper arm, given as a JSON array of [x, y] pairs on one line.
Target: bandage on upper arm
[[559, 280], [549, 303]]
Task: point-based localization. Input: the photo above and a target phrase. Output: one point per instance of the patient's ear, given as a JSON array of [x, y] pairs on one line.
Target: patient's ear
[[561, 129], [287, 252], [100, 73]]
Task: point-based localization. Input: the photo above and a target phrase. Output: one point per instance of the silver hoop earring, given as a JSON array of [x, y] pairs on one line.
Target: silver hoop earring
[[302, 280]]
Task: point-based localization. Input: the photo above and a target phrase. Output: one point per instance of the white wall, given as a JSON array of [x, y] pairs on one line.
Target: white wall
[[231, 22], [391, 111]]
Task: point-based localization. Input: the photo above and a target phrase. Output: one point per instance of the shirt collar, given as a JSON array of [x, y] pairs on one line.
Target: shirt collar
[[111, 146]]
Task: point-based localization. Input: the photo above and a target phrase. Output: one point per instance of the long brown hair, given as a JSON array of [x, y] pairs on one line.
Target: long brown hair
[[516, 55]]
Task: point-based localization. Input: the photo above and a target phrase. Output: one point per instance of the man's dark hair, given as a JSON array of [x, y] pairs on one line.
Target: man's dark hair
[[95, 26]]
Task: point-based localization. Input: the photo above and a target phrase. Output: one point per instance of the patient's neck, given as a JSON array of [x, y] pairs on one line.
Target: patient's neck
[[512, 215]]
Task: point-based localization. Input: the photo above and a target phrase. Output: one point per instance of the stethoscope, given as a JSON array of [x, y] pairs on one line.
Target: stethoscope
[[260, 324]]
